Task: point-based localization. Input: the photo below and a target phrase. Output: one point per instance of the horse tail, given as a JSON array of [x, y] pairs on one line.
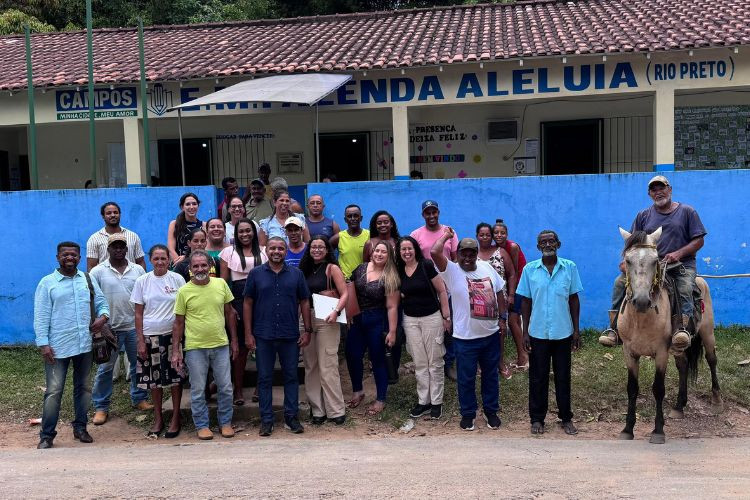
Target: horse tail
[[694, 354]]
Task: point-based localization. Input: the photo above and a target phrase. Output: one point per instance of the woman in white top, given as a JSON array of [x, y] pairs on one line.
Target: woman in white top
[[154, 295], [236, 262], [274, 225], [236, 210]]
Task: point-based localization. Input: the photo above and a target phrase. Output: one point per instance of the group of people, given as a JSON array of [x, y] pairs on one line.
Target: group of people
[[266, 279]]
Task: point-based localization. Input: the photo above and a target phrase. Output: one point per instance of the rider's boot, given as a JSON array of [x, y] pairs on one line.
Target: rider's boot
[[609, 337], [681, 337]]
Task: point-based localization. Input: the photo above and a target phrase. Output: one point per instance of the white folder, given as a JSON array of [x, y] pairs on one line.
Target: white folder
[[325, 305]]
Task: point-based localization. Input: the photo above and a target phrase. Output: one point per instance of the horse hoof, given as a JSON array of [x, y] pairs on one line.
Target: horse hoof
[[626, 436], [676, 414], [657, 439], [717, 409]]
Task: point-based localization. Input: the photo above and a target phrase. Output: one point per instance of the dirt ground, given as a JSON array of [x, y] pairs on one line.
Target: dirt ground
[[698, 423]]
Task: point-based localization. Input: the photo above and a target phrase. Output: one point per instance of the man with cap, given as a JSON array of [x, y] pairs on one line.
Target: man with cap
[[257, 206], [426, 236], [480, 313], [681, 238], [296, 247], [116, 278]]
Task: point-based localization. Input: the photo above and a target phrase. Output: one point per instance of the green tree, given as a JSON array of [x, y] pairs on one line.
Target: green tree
[[13, 21]]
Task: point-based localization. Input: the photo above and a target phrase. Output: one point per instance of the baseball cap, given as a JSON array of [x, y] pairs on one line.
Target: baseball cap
[[258, 182], [468, 243], [428, 204], [658, 178], [294, 221], [116, 237]]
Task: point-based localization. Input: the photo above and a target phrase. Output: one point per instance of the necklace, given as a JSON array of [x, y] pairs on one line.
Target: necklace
[[320, 266]]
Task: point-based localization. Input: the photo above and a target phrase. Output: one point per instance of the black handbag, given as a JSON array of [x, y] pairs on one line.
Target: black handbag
[[103, 343]]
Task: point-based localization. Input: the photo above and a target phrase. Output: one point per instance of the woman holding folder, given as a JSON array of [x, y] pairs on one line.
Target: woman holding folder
[[322, 380]]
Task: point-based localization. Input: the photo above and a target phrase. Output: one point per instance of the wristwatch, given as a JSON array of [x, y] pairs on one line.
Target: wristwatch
[[308, 330]]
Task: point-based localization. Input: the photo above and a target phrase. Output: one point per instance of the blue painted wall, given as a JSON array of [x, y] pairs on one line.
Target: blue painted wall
[[35, 221], [585, 210]]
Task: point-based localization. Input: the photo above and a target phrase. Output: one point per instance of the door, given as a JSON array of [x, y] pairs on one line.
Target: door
[[345, 155], [572, 147], [197, 162], [4, 172]]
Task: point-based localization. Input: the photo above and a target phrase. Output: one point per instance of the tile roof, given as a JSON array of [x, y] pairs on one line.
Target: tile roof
[[378, 40]]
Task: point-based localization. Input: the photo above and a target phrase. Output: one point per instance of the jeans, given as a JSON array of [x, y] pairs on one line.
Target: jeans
[[542, 351], [103, 380], [265, 359], [486, 352], [198, 362], [684, 278], [55, 380], [366, 333]]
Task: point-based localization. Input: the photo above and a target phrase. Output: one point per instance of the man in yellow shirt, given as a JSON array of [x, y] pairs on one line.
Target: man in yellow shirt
[[351, 243], [202, 308]]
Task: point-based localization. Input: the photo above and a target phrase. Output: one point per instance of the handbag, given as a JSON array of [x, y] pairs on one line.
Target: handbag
[[330, 290], [103, 343], [447, 334], [352, 305]]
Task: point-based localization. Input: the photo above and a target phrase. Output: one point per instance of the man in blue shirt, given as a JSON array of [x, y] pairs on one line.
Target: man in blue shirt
[[63, 326], [550, 309], [274, 293]]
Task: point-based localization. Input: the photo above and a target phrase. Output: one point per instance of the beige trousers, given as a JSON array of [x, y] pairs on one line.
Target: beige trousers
[[424, 341], [322, 380]]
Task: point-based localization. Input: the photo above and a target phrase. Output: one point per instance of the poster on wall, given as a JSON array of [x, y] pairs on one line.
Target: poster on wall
[[711, 137], [444, 150]]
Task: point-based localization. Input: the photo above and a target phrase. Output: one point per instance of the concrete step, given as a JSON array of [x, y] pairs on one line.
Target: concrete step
[[248, 411]]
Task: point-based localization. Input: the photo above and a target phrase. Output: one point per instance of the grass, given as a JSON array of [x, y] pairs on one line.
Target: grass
[[23, 380], [598, 382], [598, 385]]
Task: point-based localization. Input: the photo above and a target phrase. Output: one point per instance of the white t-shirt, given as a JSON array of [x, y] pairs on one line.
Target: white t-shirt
[[157, 294], [474, 299]]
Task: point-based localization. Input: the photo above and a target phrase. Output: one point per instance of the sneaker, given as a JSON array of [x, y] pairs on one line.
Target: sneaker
[[436, 412], [44, 443], [419, 410], [493, 421], [467, 423], [266, 428], [293, 425]]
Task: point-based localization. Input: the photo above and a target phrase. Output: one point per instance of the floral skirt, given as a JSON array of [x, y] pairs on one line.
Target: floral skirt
[[156, 371]]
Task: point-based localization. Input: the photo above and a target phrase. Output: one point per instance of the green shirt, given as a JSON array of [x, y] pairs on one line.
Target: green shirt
[[203, 308], [350, 251]]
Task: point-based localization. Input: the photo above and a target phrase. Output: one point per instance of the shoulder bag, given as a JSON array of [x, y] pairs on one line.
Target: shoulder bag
[[330, 290], [104, 342]]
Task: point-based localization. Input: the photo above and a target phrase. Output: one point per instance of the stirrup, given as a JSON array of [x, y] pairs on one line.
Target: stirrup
[[606, 338]]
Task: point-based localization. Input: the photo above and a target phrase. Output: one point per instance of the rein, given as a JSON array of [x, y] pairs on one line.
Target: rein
[[656, 284]]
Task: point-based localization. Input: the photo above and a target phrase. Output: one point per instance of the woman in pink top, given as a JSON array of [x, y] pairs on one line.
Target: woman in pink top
[[500, 235], [236, 263]]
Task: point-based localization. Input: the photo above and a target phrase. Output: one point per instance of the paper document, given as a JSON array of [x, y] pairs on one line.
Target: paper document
[[324, 306]]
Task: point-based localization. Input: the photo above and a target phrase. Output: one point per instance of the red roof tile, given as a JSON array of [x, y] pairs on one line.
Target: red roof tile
[[444, 35]]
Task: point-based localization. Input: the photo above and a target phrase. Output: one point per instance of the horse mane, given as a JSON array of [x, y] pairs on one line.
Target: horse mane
[[637, 238]]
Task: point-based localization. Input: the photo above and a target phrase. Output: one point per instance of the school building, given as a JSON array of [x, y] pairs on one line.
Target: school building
[[530, 88]]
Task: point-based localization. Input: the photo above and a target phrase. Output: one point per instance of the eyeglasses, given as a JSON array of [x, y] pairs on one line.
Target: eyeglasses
[[236, 207]]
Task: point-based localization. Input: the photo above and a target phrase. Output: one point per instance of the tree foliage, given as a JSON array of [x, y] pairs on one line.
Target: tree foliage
[[47, 15]]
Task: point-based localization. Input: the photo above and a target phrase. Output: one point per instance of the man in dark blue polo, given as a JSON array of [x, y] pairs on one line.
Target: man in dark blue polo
[[274, 293]]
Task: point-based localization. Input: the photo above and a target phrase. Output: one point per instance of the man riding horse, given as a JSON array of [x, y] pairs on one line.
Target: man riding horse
[[682, 237]]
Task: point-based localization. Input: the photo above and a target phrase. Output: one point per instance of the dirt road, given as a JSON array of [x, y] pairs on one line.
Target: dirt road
[[463, 466]]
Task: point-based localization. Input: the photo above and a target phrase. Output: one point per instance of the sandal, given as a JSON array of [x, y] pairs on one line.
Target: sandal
[[155, 434], [506, 372], [374, 410], [520, 368], [239, 402], [355, 401]]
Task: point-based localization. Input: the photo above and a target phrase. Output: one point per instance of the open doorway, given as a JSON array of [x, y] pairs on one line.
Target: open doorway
[[345, 155], [197, 162], [572, 147]]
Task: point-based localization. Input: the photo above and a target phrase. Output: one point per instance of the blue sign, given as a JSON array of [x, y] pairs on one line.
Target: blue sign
[[104, 99]]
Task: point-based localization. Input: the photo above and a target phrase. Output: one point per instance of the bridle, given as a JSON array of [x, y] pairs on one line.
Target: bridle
[[656, 284]]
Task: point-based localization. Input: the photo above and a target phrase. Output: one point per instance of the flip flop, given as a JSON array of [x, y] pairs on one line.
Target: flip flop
[[520, 368], [355, 401], [239, 402]]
